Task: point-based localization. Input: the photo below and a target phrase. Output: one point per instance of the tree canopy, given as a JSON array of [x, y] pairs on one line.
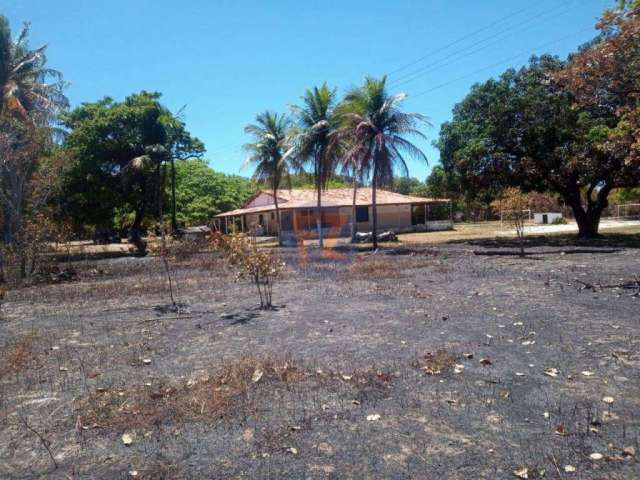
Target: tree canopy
[[201, 192], [118, 148]]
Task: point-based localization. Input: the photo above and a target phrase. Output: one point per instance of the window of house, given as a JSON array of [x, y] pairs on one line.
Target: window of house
[[273, 216], [260, 219], [362, 214]]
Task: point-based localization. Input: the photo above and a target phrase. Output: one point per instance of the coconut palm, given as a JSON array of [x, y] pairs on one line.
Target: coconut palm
[[312, 143], [267, 153], [24, 90], [27, 103], [378, 129]]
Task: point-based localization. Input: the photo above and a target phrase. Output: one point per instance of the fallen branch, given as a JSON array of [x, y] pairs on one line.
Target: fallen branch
[[45, 443]]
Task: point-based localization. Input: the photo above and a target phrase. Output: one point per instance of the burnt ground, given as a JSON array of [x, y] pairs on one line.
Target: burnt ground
[[412, 362]]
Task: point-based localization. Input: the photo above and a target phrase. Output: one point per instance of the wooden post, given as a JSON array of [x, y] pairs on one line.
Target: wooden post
[[226, 224], [425, 215], [242, 223]]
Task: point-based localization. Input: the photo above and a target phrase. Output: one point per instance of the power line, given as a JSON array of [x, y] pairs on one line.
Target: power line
[[496, 64], [465, 52], [459, 40]]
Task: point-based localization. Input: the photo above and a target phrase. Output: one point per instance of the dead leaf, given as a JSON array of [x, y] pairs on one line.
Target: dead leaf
[[458, 368], [521, 472], [485, 361], [292, 450], [257, 375], [560, 430], [146, 361], [587, 373], [127, 439], [569, 468], [373, 417], [596, 456], [608, 400], [551, 372], [629, 451]]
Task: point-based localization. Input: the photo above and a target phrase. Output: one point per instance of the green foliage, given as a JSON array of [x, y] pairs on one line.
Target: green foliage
[[523, 130], [201, 192], [118, 148]]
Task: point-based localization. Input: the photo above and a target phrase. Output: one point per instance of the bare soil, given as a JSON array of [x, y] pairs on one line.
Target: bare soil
[[414, 362]]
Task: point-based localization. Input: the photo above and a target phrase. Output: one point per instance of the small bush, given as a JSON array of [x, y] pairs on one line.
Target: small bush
[[261, 266]]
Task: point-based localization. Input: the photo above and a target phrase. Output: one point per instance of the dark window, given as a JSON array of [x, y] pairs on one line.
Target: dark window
[[273, 216], [417, 214], [260, 219], [362, 214]]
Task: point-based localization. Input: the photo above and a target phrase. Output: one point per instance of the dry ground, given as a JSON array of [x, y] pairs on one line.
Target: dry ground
[[413, 362]]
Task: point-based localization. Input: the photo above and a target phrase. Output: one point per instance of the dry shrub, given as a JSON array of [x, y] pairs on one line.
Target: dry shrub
[[211, 396], [438, 362]]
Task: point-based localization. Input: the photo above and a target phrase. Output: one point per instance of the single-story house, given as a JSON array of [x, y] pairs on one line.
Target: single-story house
[[298, 213]]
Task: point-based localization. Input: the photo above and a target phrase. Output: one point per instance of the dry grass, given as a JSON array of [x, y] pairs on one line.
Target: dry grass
[[18, 355], [211, 397], [372, 268], [438, 362]]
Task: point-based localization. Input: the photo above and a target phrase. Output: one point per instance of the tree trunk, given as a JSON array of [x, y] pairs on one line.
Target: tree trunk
[[588, 219], [278, 222], [174, 221], [319, 216], [354, 224], [374, 207]]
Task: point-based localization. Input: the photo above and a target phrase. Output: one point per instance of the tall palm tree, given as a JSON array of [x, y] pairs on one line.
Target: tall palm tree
[[24, 90], [312, 143], [267, 153], [28, 107], [379, 129]]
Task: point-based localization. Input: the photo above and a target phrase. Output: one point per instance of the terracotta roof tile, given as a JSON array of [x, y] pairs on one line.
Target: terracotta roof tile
[[335, 197]]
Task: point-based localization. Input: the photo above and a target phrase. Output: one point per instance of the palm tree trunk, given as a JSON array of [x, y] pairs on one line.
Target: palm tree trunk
[[174, 221], [319, 206], [319, 217], [279, 224], [353, 208], [374, 207]]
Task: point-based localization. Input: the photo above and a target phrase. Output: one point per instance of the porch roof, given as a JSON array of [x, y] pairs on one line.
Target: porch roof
[[335, 197]]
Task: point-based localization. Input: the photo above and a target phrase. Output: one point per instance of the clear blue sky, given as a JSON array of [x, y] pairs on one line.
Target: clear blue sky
[[226, 60]]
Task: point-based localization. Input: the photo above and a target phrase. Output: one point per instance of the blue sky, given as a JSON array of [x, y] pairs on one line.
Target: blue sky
[[226, 60]]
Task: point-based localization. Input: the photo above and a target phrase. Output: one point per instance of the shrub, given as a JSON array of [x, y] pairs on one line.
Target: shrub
[[260, 266]]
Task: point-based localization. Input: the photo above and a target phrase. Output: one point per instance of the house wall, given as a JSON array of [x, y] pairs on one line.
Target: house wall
[[337, 221]]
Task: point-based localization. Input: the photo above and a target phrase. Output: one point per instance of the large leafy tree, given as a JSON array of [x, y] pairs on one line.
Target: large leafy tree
[[379, 129], [313, 146], [524, 130], [119, 150], [604, 80], [31, 95], [267, 153]]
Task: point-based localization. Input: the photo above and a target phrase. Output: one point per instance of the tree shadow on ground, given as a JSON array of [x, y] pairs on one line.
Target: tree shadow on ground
[[580, 245]]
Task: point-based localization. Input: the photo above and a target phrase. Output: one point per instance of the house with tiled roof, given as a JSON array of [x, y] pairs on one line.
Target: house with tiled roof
[[298, 212]]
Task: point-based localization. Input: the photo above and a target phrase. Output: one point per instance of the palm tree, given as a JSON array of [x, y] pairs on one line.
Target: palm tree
[[316, 120], [28, 107], [267, 153], [25, 92], [378, 129]]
